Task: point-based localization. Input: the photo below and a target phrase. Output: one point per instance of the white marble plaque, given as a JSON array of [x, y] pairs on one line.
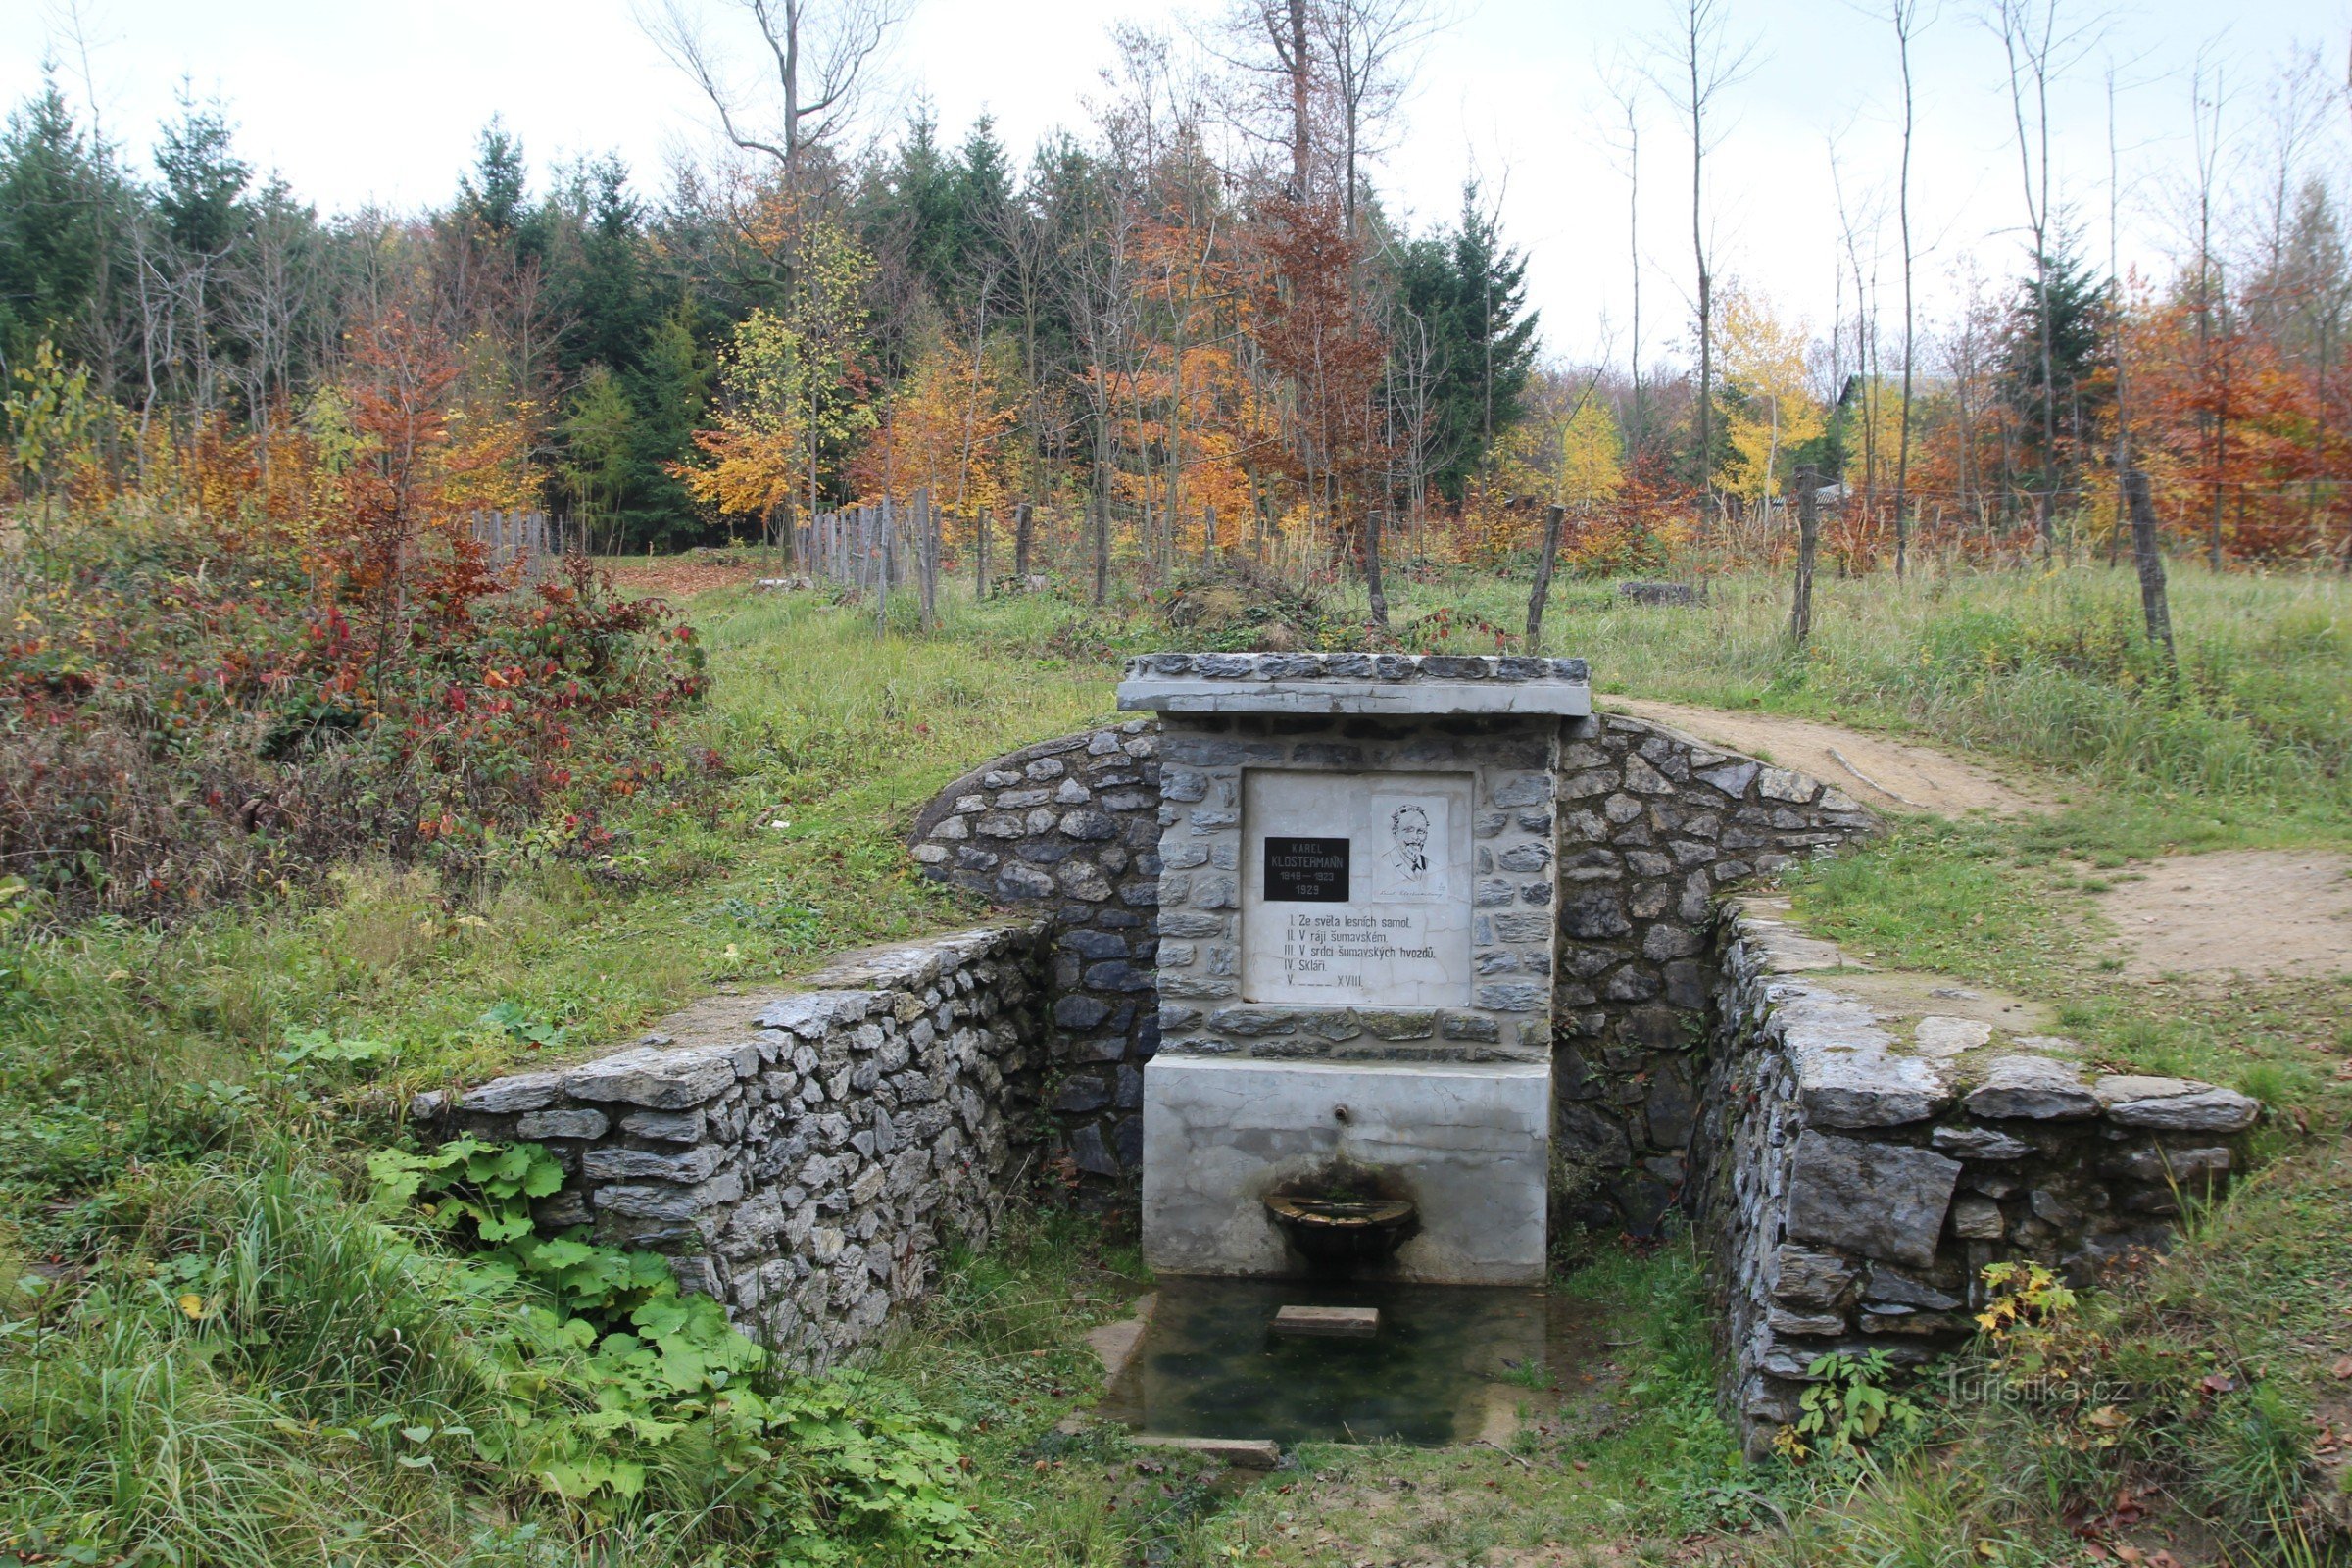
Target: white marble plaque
[[1355, 888]]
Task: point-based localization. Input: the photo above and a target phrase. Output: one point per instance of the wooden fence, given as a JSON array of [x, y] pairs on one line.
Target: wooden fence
[[526, 539], [875, 548]]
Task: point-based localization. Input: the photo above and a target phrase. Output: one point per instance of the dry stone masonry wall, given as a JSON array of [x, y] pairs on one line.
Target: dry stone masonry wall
[[1864, 1155], [801, 1156], [1071, 826], [1654, 828]]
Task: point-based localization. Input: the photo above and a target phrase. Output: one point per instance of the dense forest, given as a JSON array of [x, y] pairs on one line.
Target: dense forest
[[1190, 317]]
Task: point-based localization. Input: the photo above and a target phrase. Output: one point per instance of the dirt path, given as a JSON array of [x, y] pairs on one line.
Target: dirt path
[[677, 578], [2241, 912], [1887, 774]]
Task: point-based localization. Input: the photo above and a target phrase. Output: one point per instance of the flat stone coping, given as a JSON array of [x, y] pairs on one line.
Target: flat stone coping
[[1405, 685], [1856, 1068]]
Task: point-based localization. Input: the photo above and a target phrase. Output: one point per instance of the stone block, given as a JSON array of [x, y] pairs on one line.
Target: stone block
[[2157, 1163], [1884, 1201], [664, 1126], [1979, 1143], [2024, 1088], [561, 1124], [502, 1097], [1892, 1286], [2175, 1105], [1806, 1277], [1977, 1219], [652, 1079], [1594, 916], [1080, 879], [1017, 882], [1089, 825]]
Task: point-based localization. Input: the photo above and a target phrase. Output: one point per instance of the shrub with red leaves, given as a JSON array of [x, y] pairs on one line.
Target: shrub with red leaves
[[185, 721]]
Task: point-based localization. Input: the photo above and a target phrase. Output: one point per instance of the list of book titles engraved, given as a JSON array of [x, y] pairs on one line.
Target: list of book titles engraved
[[1333, 950]]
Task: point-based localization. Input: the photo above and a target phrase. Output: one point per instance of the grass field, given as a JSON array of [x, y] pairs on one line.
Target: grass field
[[155, 1137]]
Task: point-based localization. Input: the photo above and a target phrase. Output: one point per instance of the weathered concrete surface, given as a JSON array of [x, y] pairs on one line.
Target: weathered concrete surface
[[1467, 1144]]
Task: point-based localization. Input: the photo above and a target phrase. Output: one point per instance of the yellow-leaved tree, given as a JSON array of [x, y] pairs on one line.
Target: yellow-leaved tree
[[1566, 451], [1592, 456], [1772, 408], [790, 396], [944, 430], [756, 453]]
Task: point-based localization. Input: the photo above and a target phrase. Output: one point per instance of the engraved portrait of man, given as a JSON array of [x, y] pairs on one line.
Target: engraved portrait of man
[[1408, 834]]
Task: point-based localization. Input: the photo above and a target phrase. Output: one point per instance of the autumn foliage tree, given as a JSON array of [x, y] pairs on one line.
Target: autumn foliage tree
[[1331, 357]]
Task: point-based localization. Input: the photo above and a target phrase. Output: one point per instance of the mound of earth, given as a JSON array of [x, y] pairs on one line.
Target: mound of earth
[[1887, 775], [2241, 912], [1239, 605]]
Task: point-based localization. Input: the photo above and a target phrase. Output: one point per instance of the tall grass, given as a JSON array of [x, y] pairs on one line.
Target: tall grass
[[2046, 668], [2049, 669]]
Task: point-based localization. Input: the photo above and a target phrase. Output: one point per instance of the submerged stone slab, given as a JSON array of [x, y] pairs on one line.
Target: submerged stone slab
[[1328, 1322], [1467, 1144], [1241, 1453]]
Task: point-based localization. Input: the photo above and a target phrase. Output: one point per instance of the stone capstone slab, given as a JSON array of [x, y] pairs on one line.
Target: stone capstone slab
[[2032, 1089], [1884, 1201], [2175, 1105], [1427, 684]]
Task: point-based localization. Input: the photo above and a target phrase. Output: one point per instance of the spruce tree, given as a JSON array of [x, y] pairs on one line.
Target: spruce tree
[[1468, 290], [53, 190]]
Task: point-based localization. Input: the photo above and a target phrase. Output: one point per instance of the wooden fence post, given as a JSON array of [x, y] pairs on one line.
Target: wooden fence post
[[2147, 553], [1809, 542], [1021, 529], [1208, 535], [1101, 549], [980, 555], [1552, 519], [926, 559]]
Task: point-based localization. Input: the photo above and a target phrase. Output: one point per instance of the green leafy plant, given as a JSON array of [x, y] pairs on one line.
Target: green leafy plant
[[618, 1373], [1848, 1408], [511, 1021]]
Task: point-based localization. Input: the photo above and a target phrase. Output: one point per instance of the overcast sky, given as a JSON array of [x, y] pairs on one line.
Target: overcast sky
[[383, 103]]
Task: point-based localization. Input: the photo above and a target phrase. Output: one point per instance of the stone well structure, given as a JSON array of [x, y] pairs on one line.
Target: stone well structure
[[1356, 929], [1429, 923], [1646, 829]]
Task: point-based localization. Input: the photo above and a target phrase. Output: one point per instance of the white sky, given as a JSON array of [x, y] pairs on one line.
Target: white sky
[[382, 102]]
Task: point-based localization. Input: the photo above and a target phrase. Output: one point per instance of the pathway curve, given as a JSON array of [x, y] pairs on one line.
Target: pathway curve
[[1887, 775]]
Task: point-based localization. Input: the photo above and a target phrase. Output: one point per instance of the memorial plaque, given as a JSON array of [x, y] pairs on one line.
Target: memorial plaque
[[1306, 870], [1379, 918]]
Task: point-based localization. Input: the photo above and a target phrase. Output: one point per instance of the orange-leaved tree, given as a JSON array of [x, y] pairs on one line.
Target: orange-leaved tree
[[946, 429], [1331, 356]]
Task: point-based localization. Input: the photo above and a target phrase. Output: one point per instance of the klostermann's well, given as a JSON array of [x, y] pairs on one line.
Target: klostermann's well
[[1357, 879]]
